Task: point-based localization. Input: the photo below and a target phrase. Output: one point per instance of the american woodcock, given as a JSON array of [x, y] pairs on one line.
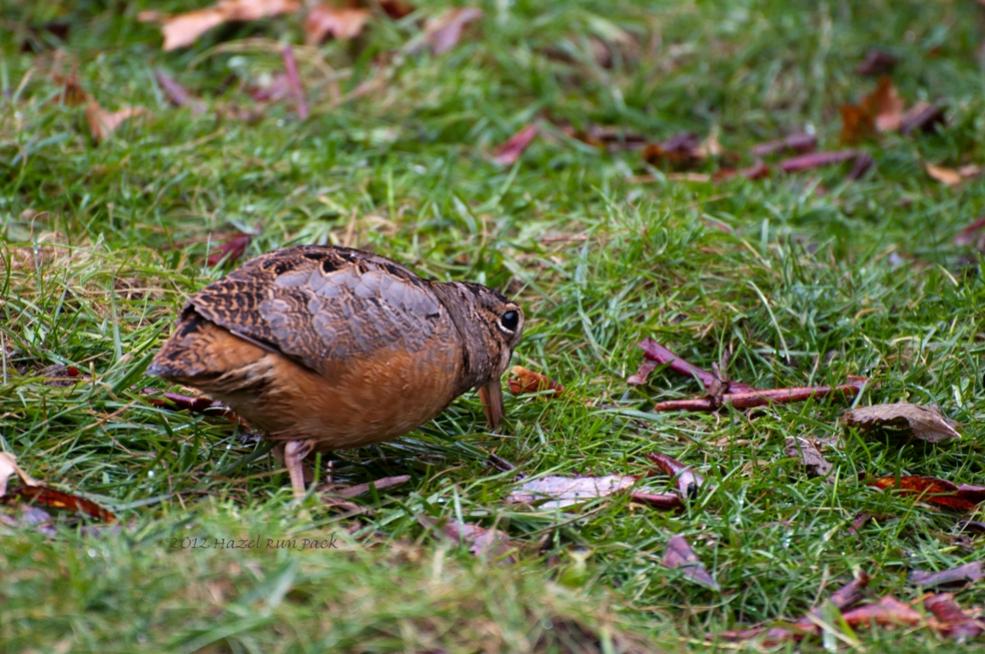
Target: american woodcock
[[329, 347]]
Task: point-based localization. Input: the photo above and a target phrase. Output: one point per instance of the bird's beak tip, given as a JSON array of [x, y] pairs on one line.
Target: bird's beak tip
[[491, 394]]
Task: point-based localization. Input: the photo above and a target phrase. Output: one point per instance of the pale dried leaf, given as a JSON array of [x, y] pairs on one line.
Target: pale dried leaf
[[184, 29], [103, 123], [923, 422], [444, 32], [338, 22], [809, 455], [952, 176], [9, 467], [565, 491]]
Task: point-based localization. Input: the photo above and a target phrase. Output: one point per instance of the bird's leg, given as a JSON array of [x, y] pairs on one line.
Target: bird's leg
[[294, 453]]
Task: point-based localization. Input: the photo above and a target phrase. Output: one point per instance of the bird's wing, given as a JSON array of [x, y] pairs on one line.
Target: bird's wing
[[323, 306]]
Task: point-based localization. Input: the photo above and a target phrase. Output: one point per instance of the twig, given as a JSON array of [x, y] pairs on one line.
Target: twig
[[762, 397], [294, 82]]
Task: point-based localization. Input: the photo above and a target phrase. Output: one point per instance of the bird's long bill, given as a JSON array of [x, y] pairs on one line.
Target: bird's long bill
[[491, 395]]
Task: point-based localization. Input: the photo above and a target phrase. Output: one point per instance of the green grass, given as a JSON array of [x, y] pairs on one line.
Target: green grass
[[104, 241]]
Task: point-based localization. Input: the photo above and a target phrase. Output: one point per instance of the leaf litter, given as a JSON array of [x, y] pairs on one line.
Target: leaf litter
[[925, 423]]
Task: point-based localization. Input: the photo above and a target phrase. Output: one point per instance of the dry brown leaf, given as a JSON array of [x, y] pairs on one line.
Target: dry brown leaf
[[887, 612], [338, 22], [523, 380], [184, 29], [680, 556], [952, 176], [923, 422], [103, 123], [879, 111], [443, 32], [483, 542], [807, 451]]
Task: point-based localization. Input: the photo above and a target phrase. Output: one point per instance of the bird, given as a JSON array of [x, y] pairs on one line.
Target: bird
[[329, 347]]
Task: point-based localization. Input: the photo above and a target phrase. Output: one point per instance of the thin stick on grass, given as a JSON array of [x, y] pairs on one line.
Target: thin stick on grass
[[762, 397]]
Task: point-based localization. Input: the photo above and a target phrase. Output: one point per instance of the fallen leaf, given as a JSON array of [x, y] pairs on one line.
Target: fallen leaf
[[178, 402], [383, 483], [72, 94], [800, 142], [923, 422], [639, 377], [969, 572], [396, 9], [443, 32], [342, 23], [230, 250], [879, 111], [951, 620], [56, 499], [8, 468], [294, 86], [509, 152], [557, 492], [680, 556], [941, 492], [762, 397], [758, 170], [102, 123], [877, 62], [523, 380], [184, 29], [687, 480], [613, 139], [887, 612], [810, 456], [922, 116], [682, 150], [972, 234], [483, 542], [844, 597], [952, 176], [176, 94]]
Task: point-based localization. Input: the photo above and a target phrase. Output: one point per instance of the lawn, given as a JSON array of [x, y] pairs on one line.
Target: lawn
[[796, 279]]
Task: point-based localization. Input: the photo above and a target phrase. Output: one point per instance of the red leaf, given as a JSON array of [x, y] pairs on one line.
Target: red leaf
[[231, 249], [688, 481], [888, 611], [922, 116], [338, 22], [964, 497], [680, 556], [508, 153], [56, 499], [972, 234], [950, 620]]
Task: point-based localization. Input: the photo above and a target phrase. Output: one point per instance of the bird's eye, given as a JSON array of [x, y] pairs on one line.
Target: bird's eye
[[509, 320]]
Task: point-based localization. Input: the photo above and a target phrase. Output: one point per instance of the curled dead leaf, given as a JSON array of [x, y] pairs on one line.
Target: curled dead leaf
[[809, 454], [969, 572], [940, 492], [184, 29], [342, 23], [952, 176], [680, 556], [523, 380], [923, 422], [103, 123], [509, 152], [443, 32]]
